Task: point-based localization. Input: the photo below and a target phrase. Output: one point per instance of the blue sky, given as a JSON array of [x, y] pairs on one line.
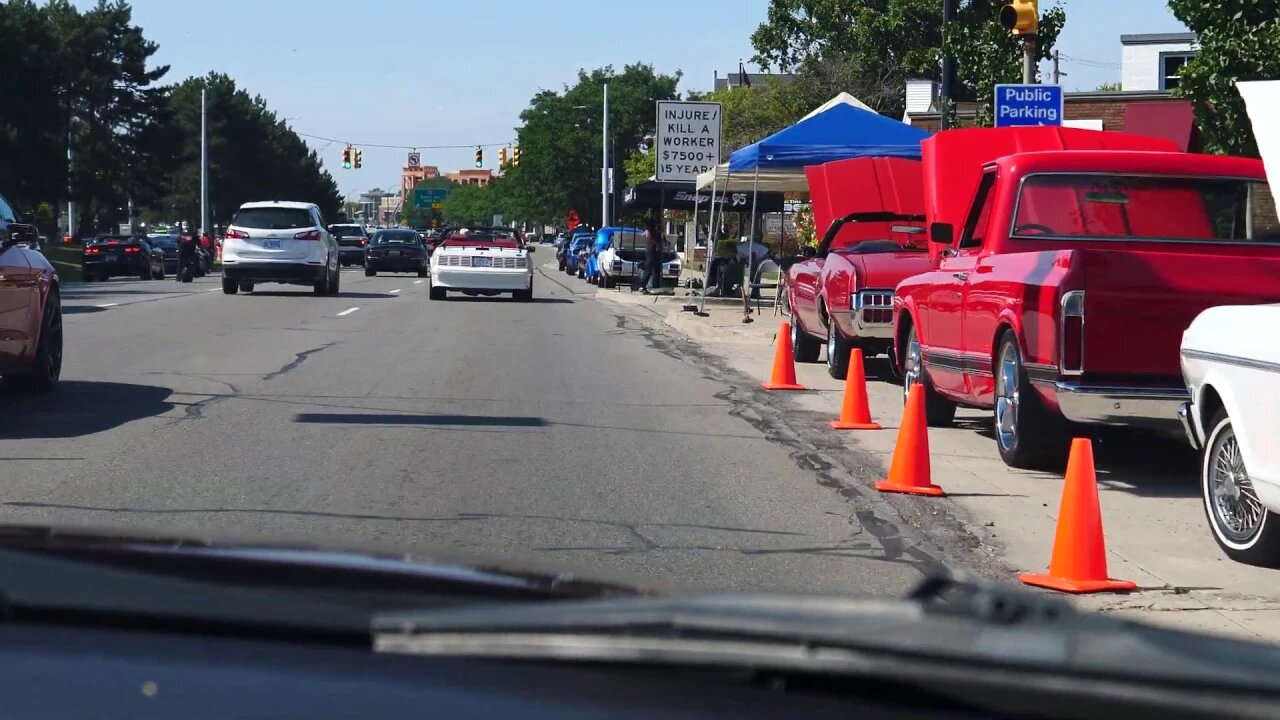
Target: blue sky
[[449, 72]]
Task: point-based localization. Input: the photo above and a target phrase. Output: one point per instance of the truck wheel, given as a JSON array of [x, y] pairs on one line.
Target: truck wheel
[[1027, 435], [803, 347], [229, 286], [1245, 529], [938, 410], [838, 347]]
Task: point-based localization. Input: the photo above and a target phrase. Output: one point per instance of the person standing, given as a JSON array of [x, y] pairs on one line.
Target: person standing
[[652, 255]]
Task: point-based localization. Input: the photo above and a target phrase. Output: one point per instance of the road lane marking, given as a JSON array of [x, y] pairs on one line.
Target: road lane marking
[[107, 305], [393, 292], [348, 311], [417, 282]]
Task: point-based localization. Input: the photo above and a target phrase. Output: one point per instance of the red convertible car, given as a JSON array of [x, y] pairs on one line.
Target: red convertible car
[[30, 309], [842, 293]]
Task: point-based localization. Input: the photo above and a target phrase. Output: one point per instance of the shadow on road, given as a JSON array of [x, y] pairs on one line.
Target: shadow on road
[[501, 299], [408, 419], [81, 309], [307, 293], [79, 408]]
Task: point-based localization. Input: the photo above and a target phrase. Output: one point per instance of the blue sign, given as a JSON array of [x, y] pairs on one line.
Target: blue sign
[[1022, 105]]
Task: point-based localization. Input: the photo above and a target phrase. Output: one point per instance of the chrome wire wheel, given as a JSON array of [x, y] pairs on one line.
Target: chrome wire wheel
[[831, 343], [1007, 397], [1234, 504], [912, 367]]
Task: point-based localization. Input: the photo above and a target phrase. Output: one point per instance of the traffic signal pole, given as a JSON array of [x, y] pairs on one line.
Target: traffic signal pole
[[1029, 59]]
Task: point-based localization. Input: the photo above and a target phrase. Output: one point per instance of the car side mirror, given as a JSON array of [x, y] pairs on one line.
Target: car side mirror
[[941, 233]]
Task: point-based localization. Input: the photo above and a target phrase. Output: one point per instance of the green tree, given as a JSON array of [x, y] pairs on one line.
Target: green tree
[[1239, 40], [1108, 87], [639, 166], [33, 149], [560, 139], [872, 47]]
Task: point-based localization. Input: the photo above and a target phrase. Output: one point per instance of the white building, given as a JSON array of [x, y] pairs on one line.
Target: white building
[[1150, 62]]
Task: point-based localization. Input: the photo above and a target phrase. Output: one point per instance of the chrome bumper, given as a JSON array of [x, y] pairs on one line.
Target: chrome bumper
[[1117, 405], [1189, 425], [865, 301]]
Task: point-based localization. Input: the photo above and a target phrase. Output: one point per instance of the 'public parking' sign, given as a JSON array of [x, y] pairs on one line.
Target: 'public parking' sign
[[1021, 105]]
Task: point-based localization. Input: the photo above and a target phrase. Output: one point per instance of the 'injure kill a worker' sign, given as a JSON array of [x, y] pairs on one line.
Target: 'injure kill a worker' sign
[[688, 139]]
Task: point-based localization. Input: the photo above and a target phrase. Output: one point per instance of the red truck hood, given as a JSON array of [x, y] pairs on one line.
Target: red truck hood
[[886, 270]]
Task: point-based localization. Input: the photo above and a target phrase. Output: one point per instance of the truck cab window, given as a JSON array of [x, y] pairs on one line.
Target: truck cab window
[[975, 226]]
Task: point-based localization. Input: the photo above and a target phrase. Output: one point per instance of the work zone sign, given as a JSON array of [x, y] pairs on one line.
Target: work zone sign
[[687, 139]]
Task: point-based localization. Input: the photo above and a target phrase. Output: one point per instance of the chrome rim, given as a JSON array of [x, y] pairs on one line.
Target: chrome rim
[[1007, 398], [911, 373], [831, 343], [1235, 504], [794, 335]]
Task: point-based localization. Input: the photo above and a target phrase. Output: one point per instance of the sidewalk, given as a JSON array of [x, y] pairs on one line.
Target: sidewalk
[[1156, 532]]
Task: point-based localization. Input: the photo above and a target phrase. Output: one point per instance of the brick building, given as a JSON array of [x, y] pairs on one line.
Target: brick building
[[471, 177]]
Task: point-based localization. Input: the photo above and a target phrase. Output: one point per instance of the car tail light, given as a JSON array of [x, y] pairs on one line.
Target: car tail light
[[132, 250], [308, 235], [363, 242], [1072, 341], [233, 234], [92, 251]]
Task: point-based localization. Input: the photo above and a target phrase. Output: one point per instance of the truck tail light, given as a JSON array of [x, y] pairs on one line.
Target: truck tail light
[[1071, 346], [233, 234], [308, 235]]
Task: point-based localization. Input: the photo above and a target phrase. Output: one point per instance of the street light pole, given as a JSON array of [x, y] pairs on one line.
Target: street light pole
[[605, 170], [71, 198], [204, 166]]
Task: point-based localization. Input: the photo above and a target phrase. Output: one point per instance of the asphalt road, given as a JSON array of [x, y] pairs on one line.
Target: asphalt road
[[567, 432]]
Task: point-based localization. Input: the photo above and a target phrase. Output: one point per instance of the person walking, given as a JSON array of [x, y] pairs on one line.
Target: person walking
[[652, 255]]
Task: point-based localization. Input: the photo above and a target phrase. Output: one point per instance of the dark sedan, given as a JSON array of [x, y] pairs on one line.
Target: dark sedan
[[113, 256], [396, 251], [168, 244], [352, 241]]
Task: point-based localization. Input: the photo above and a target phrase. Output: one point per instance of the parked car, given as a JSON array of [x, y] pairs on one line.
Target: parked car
[[1063, 292], [575, 251], [111, 256], [1232, 372], [591, 269], [168, 245], [841, 295], [622, 260], [280, 242], [30, 308], [396, 251], [482, 263], [352, 241]]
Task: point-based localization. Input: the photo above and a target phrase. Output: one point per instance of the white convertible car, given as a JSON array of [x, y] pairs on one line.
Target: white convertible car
[[1231, 363], [482, 262]]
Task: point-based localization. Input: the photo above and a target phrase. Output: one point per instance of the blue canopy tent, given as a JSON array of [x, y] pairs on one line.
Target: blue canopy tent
[[841, 129]]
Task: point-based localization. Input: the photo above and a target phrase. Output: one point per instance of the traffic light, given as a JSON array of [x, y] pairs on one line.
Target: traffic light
[[1021, 17], [479, 156], [346, 158], [359, 158], [515, 157], [502, 158]]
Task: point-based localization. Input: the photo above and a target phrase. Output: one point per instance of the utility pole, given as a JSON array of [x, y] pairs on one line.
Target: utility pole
[[1057, 73], [204, 167], [948, 64], [604, 171], [71, 202]]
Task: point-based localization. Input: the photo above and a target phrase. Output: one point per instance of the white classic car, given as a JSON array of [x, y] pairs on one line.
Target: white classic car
[[623, 260], [1231, 364], [482, 262]]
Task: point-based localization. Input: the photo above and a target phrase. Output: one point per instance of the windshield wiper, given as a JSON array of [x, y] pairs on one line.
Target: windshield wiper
[[947, 629]]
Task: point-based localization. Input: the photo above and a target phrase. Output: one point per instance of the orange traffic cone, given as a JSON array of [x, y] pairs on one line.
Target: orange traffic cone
[[855, 413], [784, 363], [1079, 562], [909, 472]]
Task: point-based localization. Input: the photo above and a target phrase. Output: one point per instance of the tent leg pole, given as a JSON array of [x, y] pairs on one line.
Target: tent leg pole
[[751, 257]]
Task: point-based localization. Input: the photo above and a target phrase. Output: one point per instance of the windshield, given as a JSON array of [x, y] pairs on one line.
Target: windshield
[[396, 238], [830, 414], [1117, 207], [268, 218]]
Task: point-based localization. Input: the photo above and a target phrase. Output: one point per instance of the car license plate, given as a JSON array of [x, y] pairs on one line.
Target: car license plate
[[479, 262], [111, 258], [393, 253], [270, 244]]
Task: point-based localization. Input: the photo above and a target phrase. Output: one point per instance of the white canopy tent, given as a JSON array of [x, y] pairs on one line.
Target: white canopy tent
[[769, 180]]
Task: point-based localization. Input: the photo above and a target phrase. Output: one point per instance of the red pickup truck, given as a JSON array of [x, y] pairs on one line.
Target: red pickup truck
[[1061, 293], [842, 294]]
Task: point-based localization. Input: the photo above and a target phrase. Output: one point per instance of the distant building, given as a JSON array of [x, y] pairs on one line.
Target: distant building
[[733, 80], [411, 176], [1150, 62], [479, 177]]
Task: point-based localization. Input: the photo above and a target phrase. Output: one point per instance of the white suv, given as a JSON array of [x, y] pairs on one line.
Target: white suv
[[281, 242]]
